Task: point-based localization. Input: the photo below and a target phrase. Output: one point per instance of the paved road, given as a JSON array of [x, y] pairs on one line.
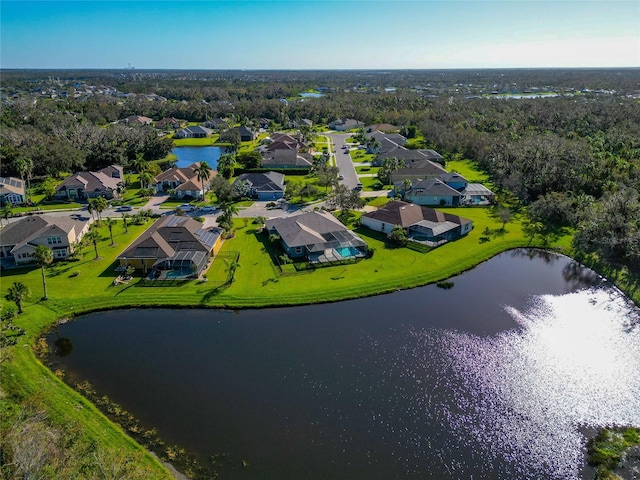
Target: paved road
[[343, 159]]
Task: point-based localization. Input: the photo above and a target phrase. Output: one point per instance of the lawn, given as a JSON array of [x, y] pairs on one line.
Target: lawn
[[196, 142], [469, 170]]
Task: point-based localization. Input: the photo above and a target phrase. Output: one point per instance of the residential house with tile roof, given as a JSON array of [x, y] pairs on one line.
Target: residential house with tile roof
[[196, 131], [107, 183], [345, 124], [317, 236], [280, 159], [173, 244], [182, 182], [263, 186], [19, 239], [422, 224]]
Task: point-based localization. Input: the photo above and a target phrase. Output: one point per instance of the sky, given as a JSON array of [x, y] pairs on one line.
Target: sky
[[326, 34]]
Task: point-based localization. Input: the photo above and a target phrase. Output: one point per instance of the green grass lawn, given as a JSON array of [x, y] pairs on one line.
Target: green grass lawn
[[469, 170], [373, 184], [196, 142], [368, 170]]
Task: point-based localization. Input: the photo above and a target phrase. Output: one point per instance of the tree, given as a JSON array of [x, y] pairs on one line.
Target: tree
[[226, 165], [203, 174], [6, 212], [93, 237], [232, 137], [99, 205], [346, 199], [398, 235], [251, 159], [145, 178], [406, 185], [225, 220], [240, 188], [223, 189], [49, 187], [17, 293], [110, 222], [125, 217], [327, 175], [25, 166], [389, 165], [504, 215], [43, 256]]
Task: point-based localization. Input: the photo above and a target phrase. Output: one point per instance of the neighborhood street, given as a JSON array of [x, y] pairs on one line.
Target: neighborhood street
[[343, 159]]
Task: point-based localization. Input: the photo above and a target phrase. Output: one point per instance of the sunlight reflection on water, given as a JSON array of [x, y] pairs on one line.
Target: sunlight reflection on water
[[524, 394]]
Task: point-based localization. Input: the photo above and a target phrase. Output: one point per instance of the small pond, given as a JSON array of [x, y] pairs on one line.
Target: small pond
[[498, 377], [189, 155]]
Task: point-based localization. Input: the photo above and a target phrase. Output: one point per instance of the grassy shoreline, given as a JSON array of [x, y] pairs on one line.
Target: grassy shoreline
[[85, 286]]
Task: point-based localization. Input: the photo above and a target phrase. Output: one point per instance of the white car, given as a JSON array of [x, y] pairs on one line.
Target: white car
[[207, 209], [186, 207]]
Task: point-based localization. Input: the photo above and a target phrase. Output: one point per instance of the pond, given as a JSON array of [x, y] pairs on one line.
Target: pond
[[499, 377], [189, 155]]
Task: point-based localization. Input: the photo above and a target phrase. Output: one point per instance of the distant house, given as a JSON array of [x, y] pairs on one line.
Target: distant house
[[183, 181], [285, 159], [20, 238], [419, 169], [422, 224], [263, 186], [345, 124], [381, 127], [106, 183], [194, 132], [169, 123], [12, 191], [301, 122], [173, 244], [137, 120], [283, 141], [317, 236], [215, 123], [408, 155], [246, 134]]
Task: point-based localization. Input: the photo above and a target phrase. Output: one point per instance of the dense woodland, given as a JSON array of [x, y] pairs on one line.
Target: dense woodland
[[572, 160]]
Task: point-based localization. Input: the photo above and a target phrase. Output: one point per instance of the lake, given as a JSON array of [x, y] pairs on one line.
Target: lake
[[498, 377], [189, 155]]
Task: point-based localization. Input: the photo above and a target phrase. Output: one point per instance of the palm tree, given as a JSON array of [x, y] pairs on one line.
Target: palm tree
[[226, 218], [99, 205], [17, 293], [109, 221], [44, 257], [203, 173], [145, 178], [6, 212], [25, 167], [406, 185], [93, 236], [125, 216]]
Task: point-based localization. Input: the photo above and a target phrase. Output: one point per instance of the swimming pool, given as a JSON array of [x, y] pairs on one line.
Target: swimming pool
[[346, 252]]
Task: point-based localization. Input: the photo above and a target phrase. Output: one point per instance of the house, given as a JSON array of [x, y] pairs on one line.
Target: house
[[279, 159], [107, 183], [317, 236], [12, 191], [215, 123], [169, 123], [345, 124], [431, 191], [137, 120], [283, 141], [422, 224], [173, 243], [182, 181], [418, 169], [246, 134], [194, 132], [408, 155], [381, 127], [20, 238], [263, 186]]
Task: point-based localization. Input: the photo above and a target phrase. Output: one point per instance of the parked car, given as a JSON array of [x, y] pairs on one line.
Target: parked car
[[358, 186], [125, 208], [341, 177], [207, 209], [186, 207]]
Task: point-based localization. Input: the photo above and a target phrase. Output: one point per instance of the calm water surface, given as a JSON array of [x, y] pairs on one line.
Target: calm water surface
[[189, 155], [495, 378]]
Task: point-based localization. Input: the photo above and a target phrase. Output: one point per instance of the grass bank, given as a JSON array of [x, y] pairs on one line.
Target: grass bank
[[86, 285]]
